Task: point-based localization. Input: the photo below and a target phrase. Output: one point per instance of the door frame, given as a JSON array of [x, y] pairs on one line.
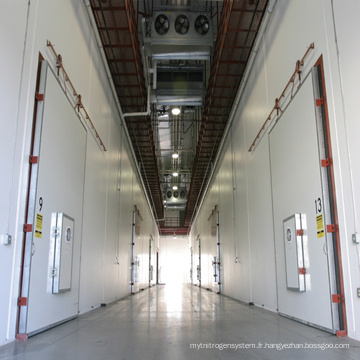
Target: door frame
[[323, 107], [24, 283]]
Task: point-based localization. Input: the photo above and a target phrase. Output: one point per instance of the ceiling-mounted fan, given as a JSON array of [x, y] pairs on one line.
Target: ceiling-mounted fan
[[182, 24], [162, 24], [202, 25]]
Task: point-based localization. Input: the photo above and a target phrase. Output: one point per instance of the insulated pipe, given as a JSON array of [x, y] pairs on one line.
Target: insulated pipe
[[145, 67], [143, 27], [247, 71], [154, 72], [147, 70], [113, 89], [148, 108]]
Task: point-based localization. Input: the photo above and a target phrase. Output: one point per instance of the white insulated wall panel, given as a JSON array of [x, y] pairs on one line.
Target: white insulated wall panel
[[347, 29], [112, 290], [202, 227], [263, 278], [92, 254], [125, 217], [253, 190], [142, 239], [12, 18], [254, 108], [207, 248], [226, 217], [242, 279], [13, 21]]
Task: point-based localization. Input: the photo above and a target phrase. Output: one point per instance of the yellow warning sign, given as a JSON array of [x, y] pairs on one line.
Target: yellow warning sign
[[39, 226], [320, 226]]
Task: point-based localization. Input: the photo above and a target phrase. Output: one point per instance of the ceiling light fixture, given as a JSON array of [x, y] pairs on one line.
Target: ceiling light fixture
[[175, 155], [175, 173], [175, 111], [174, 187]]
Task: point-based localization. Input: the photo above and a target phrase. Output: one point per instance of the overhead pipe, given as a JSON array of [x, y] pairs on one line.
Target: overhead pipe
[[247, 71], [145, 67], [148, 70], [153, 70], [148, 107]]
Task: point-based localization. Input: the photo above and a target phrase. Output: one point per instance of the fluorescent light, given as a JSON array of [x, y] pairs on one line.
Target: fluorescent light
[[175, 155], [175, 111], [175, 174], [175, 187]]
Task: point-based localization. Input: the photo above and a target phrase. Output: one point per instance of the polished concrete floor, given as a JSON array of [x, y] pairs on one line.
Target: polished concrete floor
[[181, 323]]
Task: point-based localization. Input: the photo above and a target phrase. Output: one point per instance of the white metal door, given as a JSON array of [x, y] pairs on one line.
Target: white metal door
[[197, 262], [214, 257], [297, 189], [59, 189], [152, 261]]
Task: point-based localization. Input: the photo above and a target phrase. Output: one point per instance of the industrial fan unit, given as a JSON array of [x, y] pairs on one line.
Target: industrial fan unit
[[181, 28]]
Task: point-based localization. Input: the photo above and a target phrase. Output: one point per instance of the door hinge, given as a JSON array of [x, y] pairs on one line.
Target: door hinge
[[330, 228], [336, 298], [319, 102], [325, 162], [27, 228], [33, 159], [22, 301], [39, 97], [302, 271]]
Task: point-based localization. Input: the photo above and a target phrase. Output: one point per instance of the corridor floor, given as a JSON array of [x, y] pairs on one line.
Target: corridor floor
[[181, 323]]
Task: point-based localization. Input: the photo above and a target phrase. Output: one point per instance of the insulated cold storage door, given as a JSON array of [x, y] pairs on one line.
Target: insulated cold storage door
[[55, 256], [304, 268]]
